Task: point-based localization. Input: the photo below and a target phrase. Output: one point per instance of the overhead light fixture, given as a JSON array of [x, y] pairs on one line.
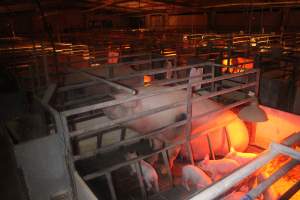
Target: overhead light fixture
[[253, 113]]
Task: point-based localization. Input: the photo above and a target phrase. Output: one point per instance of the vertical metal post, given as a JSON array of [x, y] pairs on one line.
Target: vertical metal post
[[227, 139], [35, 69], [45, 63], [31, 70], [110, 70], [111, 186], [166, 162], [213, 76], [99, 140], [175, 66], [140, 178], [212, 153], [62, 127], [189, 120], [257, 83], [229, 51], [123, 133]]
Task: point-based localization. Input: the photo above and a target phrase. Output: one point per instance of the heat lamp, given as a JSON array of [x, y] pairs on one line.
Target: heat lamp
[[252, 114]]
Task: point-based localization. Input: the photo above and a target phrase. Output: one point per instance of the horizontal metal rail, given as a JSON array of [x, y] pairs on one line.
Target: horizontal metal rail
[[222, 186], [160, 130], [154, 93], [103, 80], [254, 193], [109, 124], [129, 162]]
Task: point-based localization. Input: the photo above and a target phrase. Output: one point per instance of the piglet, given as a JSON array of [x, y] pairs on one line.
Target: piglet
[[148, 172], [240, 157], [194, 175], [218, 168]]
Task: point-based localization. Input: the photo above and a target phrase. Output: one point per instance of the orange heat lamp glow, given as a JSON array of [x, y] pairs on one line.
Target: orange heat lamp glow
[[239, 66], [147, 80]]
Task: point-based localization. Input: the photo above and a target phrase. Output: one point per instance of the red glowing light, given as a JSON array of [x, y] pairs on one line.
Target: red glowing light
[[147, 80], [240, 65]]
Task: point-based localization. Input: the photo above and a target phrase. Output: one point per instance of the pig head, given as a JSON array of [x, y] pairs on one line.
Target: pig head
[[235, 128]]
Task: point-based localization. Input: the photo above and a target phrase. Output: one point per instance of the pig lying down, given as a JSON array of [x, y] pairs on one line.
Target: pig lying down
[[148, 172], [195, 176], [227, 121]]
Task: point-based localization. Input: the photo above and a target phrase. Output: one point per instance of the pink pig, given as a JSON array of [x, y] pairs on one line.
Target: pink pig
[[194, 175], [218, 168], [240, 157], [148, 172]]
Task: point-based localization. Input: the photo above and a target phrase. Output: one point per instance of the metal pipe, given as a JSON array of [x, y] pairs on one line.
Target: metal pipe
[[288, 194], [139, 173], [228, 182], [154, 93], [111, 186], [167, 164], [188, 129], [113, 84], [159, 130], [254, 193], [173, 145], [282, 3], [134, 116], [286, 151]]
